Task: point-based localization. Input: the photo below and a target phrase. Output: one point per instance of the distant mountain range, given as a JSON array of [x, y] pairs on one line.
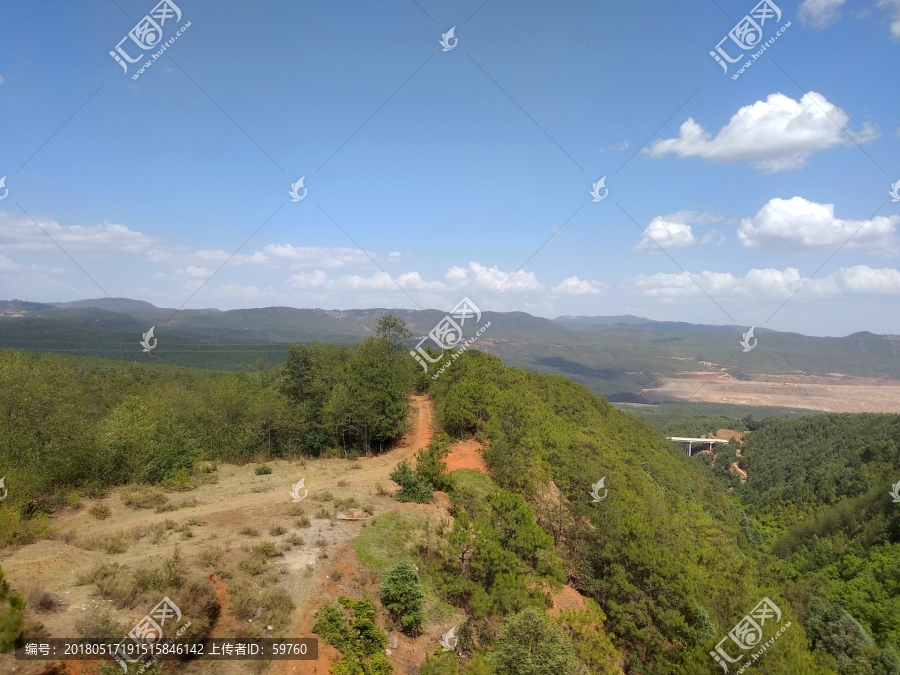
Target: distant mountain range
[[616, 356]]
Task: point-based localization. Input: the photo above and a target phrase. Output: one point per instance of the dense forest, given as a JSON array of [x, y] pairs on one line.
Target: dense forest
[[675, 554]]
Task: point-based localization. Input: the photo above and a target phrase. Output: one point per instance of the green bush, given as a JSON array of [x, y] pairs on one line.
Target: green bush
[[402, 595], [349, 626], [412, 487], [11, 606], [440, 663], [262, 470]]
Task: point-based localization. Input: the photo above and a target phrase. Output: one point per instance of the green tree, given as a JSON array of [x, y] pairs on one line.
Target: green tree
[[393, 329], [530, 644], [402, 595]]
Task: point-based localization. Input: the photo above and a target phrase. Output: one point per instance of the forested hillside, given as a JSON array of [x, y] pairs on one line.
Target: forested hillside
[[86, 425], [670, 552]]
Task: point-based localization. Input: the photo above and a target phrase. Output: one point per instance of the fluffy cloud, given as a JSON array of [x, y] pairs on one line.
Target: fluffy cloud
[[859, 279], [492, 279], [820, 13], [777, 134], [792, 225], [665, 234], [19, 233], [864, 279], [674, 231], [576, 286]]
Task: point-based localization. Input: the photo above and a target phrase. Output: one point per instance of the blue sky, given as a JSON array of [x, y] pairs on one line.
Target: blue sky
[[450, 169]]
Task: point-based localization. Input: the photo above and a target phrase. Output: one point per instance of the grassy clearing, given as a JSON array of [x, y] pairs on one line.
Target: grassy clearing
[[392, 538]]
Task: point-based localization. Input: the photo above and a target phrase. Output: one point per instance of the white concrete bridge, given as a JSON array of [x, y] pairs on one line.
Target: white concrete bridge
[[708, 443]]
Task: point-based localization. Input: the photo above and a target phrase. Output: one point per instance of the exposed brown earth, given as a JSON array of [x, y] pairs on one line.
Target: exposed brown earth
[[828, 393], [238, 499], [466, 455]]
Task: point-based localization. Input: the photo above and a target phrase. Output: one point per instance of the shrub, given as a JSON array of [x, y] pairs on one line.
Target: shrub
[[344, 503], [169, 576], [441, 663], [40, 600], [277, 530], [323, 496], [349, 626], [276, 606], [109, 543], [302, 521], [11, 606], [248, 531], [266, 549], [253, 565], [113, 582], [211, 555], [262, 470], [144, 497], [412, 487], [100, 511], [294, 540], [402, 596]]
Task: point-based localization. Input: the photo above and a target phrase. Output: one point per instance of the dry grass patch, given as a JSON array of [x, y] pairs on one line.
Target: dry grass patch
[[40, 600], [100, 511], [108, 543]]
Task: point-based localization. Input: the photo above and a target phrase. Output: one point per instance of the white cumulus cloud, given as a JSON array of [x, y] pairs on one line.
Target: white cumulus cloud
[[665, 234], [777, 134], [576, 286], [492, 278], [796, 225], [820, 13]]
